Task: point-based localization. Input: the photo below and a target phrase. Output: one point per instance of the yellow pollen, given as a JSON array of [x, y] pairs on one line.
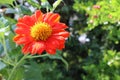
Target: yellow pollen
[[41, 31]]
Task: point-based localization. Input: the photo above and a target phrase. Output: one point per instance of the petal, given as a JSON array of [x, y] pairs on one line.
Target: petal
[[57, 31], [51, 18], [65, 34], [52, 43], [34, 18], [59, 26], [46, 17], [50, 51], [22, 25], [60, 40], [39, 15], [22, 30], [38, 47], [27, 20], [54, 18], [20, 39], [62, 45], [26, 48]]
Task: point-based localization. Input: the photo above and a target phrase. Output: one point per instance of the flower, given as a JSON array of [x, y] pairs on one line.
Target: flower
[[83, 39], [41, 32]]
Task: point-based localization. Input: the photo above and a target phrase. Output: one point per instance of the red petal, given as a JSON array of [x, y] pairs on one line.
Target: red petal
[[38, 15], [51, 18], [34, 18], [46, 17], [22, 31], [52, 43], [65, 34], [59, 26], [27, 20], [59, 38], [62, 45], [51, 51], [22, 25], [61, 41], [38, 47], [26, 48], [57, 31], [54, 18], [19, 39]]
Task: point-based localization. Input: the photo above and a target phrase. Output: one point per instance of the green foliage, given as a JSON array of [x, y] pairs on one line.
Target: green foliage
[[102, 26], [6, 2], [97, 59]]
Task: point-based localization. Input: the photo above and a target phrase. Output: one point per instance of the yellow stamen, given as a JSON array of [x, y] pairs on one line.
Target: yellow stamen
[[41, 31]]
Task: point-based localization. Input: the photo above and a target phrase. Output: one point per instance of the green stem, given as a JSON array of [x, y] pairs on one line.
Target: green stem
[[7, 62], [15, 67], [65, 62], [30, 56], [5, 48]]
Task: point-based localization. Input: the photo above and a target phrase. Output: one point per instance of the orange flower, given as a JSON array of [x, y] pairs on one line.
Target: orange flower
[[41, 32]]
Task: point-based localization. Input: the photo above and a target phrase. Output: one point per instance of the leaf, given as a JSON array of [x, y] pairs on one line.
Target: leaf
[[33, 3], [10, 10], [6, 1], [25, 10], [55, 4], [58, 56], [33, 71], [45, 4], [19, 74], [5, 29]]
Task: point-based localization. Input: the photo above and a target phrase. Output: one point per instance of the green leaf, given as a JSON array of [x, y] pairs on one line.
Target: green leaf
[[55, 4], [19, 74], [33, 3], [6, 1], [33, 71], [5, 29], [25, 10], [58, 56], [10, 10], [45, 4]]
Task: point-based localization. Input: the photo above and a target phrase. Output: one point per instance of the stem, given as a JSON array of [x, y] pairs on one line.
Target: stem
[[30, 56], [65, 62], [4, 46], [7, 62], [17, 65]]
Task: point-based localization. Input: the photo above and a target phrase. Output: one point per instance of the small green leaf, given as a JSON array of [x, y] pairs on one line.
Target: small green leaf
[[10, 10], [25, 10], [6, 1], [33, 3], [45, 4], [55, 4]]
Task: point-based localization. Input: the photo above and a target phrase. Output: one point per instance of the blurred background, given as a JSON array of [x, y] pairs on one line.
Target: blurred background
[[92, 51]]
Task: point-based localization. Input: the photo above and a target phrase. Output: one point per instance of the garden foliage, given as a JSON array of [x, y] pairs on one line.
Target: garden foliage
[[92, 51]]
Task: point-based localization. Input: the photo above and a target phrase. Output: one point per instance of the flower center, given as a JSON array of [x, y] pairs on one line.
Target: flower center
[[41, 31]]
